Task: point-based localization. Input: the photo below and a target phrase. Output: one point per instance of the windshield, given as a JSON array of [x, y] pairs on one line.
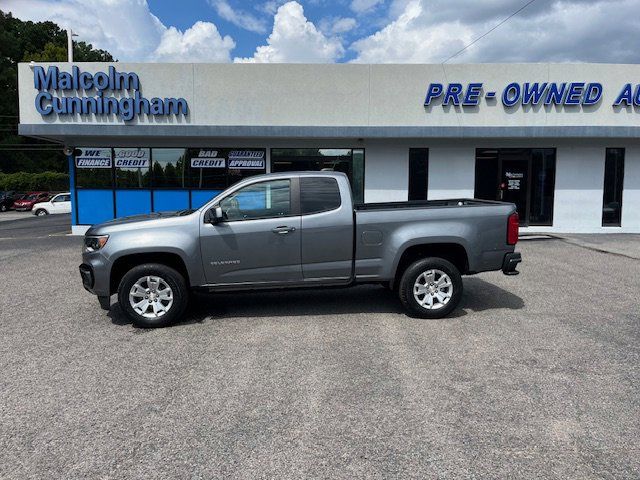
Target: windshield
[[33, 196]]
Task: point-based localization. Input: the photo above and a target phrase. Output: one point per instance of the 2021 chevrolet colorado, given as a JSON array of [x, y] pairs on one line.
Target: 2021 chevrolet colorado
[[297, 230]]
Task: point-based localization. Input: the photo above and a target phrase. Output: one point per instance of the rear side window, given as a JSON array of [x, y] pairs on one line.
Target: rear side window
[[318, 194]]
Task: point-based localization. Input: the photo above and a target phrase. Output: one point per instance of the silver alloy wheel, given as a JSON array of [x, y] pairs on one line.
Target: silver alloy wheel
[[151, 296], [42, 213], [433, 289]]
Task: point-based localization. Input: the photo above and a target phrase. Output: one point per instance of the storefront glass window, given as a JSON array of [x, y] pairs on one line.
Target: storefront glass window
[[170, 169], [418, 173], [132, 167], [208, 168], [219, 168], [357, 173], [93, 167], [348, 161], [613, 184], [543, 180]]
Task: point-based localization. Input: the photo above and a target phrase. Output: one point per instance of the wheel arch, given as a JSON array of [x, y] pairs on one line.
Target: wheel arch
[[453, 252], [126, 262]]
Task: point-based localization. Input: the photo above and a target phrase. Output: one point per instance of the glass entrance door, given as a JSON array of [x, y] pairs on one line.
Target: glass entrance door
[[523, 176], [514, 185]]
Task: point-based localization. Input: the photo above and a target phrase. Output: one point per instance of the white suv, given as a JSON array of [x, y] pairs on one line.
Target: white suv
[[60, 203]]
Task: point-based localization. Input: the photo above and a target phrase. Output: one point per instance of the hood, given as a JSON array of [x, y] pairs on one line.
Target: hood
[[132, 220]]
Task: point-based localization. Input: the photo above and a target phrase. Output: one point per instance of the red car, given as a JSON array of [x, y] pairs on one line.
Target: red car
[[29, 200]]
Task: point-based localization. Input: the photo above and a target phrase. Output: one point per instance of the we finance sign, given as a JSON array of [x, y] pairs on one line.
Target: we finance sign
[[94, 158]]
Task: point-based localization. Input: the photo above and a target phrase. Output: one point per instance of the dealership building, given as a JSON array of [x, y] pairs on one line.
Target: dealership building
[[561, 141]]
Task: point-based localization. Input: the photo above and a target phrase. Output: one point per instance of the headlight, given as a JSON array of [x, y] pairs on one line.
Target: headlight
[[95, 243]]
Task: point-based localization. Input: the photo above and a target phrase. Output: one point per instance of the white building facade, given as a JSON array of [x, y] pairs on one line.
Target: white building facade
[[561, 141]]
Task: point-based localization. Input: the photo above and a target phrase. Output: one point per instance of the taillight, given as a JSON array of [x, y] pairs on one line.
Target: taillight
[[513, 224]]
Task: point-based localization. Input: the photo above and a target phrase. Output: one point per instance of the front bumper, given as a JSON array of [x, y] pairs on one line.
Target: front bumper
[[23, 208], [510, 262], [95, 271], [86, 273]]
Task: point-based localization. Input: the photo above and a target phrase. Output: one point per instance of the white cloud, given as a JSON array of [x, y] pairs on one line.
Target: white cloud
[[337, 25], [200, 43], [416, 31], [363, 6], [239, 18], [270, 7], [128, 30], [559, 31], [295, 39]]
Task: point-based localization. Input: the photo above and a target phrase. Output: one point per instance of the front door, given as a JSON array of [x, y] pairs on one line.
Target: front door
[[514, 185], [61, 204], [258, 242]]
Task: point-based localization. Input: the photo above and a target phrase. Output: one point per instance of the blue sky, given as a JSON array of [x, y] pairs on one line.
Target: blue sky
[[365, 31], [319, 12]]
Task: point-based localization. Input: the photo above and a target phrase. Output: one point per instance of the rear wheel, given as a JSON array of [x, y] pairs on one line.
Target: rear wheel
[[41, 212], [153, 295], [430, 288], [3, 208]]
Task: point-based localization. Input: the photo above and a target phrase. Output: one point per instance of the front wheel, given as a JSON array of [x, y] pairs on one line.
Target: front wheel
[[153, 295], [3, 208], [41, 212], [430, 288]]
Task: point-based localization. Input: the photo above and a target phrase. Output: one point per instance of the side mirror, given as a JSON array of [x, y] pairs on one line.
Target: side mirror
[[214, 215]]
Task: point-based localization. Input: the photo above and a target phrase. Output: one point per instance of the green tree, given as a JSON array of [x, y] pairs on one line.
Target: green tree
[[51, 53], [24, 42]]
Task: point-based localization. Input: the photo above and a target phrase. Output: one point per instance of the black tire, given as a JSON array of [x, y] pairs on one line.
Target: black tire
[[41, 212], [415, 270], [3, 208], [180, 295]]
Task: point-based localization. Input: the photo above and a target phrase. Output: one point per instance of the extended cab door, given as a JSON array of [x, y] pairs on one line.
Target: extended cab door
[[327, 229], [258, 241]]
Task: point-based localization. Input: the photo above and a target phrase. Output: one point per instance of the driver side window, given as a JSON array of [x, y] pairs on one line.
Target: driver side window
[[269, 199]]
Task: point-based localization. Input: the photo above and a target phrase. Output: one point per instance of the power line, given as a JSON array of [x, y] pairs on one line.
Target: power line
[[491, 30]]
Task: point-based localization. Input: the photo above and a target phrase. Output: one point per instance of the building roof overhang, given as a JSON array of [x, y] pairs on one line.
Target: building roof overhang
[[158, 133]]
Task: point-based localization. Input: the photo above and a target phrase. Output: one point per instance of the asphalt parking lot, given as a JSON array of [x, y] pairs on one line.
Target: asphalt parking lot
[[536, 376]]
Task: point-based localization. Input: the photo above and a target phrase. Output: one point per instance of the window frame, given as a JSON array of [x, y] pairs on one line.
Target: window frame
[[301, 179], [294, 199]]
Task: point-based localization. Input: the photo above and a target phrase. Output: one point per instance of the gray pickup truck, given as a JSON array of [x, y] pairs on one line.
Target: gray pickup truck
[[297, 230]]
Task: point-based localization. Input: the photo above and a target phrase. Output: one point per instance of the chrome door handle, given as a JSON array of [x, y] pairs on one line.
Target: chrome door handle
[[283, 230]]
